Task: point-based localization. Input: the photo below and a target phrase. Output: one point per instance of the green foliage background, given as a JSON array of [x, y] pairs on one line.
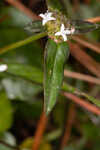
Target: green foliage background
[[21, 88]]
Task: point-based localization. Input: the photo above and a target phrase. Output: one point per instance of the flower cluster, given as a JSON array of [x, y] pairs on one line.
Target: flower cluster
[[63, 31]]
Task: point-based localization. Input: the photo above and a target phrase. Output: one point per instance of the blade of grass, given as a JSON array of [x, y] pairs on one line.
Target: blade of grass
[[23, 42]]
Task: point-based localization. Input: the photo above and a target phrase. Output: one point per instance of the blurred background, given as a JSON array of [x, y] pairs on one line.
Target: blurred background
[[22, 121]]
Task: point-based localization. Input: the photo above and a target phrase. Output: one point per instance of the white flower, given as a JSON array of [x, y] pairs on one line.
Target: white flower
[[47, 17], [64, 32], [3, 67]]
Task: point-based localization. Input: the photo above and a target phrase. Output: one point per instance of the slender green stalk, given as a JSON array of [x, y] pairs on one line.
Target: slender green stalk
[[66, 87], [23, 42]]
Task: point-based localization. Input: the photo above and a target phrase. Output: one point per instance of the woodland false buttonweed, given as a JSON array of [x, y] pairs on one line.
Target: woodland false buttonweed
[[47, 17], [3, 67], [64, 32], [54, 27]]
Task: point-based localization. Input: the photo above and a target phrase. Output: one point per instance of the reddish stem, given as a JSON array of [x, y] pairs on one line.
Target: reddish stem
[[24, 9], [39, 132], [69, 124], [85, 59], [81, 76], [90, 107], [93, 46]]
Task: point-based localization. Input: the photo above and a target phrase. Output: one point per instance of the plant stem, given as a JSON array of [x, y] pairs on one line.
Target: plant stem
[[39, 132], [23, 42], [22, 8], [69, 123], [82, 103]]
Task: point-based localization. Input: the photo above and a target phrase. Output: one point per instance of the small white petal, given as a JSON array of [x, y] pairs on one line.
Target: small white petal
[[67, 31], [49, 14], [44, 22], [52, 18], [57, 33], [42, 15], [47, 17], [62, 27], [62, 32], [3, 67], [64, 37]]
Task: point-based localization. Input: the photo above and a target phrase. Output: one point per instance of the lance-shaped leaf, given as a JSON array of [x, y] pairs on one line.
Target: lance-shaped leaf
[[82, 26], [34, 27], [55, 57], [24, 71]]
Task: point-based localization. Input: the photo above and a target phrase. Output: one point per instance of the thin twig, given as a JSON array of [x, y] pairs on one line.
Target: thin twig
[[24, 9], [68, 88], [94, 20], [39, 132], [69, 124], [81, 76], [85, 59], [90, 107], [86, 43]]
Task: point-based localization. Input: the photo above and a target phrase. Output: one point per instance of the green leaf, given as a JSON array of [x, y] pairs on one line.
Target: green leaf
[[34, 27], [18, 88], [25, 71], [3, 147], [55, 57], [9, 140], [5, 113], [82, 26], [70, 89], [15, 17]]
